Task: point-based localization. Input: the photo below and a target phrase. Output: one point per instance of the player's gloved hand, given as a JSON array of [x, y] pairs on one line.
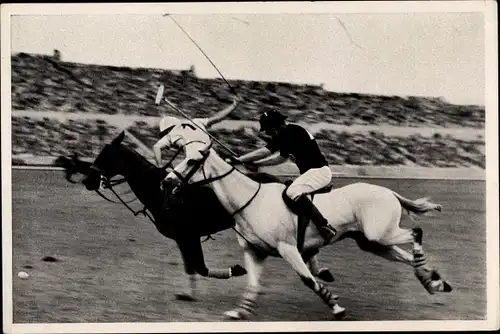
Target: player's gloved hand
[[169, 186]]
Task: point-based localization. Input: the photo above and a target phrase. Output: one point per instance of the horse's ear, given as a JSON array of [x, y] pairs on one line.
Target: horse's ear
[[118, 139]]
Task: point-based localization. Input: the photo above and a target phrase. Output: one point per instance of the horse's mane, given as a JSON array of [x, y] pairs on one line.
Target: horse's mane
[[262, 177], [136, 154]]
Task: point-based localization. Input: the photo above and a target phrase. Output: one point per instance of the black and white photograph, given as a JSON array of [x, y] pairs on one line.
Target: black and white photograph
[[250, 166]]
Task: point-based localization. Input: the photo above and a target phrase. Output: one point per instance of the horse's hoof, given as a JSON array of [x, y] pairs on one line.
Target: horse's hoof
[[447, 287], [325, 275], [236, 315], [185, 297], [439, 286], [233, 315], [435, 286], [435, 276], [238, 270], [339, 312]]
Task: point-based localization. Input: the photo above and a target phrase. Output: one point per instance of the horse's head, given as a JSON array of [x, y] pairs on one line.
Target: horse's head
[[108, 163], [72, 166], [192, 169]]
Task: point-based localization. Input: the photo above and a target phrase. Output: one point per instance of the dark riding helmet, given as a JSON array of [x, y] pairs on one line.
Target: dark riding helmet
[[271, 119]]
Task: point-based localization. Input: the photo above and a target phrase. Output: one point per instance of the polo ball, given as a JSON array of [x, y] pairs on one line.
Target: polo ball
[[23, 275]]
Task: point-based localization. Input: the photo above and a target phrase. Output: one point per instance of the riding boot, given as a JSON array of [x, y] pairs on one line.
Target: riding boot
[[307, 207]]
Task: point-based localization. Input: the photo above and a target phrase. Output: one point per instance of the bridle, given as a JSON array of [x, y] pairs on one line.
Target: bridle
[[109, 184], [201, 164]]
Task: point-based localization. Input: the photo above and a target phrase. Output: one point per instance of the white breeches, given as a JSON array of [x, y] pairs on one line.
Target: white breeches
[[310, 181]]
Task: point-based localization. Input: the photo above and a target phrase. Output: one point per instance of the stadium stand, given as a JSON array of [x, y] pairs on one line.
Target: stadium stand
[[44, 83], [50, 137], [53, 138]]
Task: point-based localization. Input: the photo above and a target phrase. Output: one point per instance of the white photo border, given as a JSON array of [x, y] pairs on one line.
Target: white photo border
[[488, 8]]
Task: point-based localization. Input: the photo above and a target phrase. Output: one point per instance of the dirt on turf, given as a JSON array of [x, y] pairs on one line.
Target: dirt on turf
[[113, 267]]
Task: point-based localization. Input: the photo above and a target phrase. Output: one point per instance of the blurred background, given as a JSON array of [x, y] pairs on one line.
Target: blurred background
[[49, 108], [420, 100]]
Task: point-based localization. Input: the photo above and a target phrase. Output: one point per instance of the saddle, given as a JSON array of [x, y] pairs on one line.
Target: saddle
[[302, 220], [326, 189]]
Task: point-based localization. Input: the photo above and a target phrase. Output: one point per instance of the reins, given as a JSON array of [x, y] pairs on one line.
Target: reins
[[200, 164], [219, 177], [110, 184], [216, 178], [249, 201]]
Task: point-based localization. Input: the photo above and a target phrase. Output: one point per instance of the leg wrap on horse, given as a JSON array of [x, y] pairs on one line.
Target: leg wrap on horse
[[251, 292], [247, 304], [329, 298], [419, 260], [429, 278], [233, 271], [220, 273]]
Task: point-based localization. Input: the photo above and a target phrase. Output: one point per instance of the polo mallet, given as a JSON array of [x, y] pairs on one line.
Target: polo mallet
[[233, 156], [161, 91], [159, 94], [203, 52]]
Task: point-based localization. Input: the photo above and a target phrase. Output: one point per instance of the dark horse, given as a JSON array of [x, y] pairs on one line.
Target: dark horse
[[186, 217]]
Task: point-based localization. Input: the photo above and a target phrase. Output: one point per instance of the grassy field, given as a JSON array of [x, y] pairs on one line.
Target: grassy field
[[114, 267]]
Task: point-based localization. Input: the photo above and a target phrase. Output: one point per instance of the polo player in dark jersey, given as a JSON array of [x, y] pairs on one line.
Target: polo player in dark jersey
[[291, 141]]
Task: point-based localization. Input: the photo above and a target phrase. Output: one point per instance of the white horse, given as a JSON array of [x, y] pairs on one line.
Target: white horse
[[265, 226]]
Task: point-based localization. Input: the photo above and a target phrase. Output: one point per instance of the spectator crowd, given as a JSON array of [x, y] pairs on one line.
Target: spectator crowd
[[54, 138], [45, 84]]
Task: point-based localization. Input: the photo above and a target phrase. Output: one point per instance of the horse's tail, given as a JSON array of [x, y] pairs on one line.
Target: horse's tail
[[419, 206]]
